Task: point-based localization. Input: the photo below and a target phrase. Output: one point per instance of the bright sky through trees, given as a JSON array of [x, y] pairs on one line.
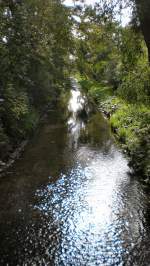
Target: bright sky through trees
[[126, 13]]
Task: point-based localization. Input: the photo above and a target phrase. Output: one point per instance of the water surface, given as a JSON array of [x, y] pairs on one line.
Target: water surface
[[70, 199]]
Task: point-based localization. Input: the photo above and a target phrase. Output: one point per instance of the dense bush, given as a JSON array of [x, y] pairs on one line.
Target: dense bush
[[95, 90], [140, 154], [113, 63], [131, 125], [35, 41], [135, 86]]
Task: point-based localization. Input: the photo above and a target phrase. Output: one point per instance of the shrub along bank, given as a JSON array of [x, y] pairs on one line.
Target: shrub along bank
[[129, 121], [114, 71], [35, 41]]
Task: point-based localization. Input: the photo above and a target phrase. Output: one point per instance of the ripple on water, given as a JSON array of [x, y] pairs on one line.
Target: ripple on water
[[96, 224], [93, 214]]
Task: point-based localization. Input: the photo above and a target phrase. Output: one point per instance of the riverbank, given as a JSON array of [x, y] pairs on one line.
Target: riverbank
[[69, 199], [12, 148], [130, 124], [12, 156]]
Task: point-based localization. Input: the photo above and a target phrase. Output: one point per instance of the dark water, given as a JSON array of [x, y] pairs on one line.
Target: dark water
[[70, 199]]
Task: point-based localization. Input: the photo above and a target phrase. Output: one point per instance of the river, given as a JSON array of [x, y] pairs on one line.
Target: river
[[70, 199]]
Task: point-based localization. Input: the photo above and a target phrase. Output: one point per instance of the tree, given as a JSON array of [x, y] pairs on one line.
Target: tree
[[109, 8], [97, 48], [143, 11], [35, 44]]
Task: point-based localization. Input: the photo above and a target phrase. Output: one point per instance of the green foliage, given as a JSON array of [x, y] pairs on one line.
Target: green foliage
[[131, 123], [113, 64], [97, 51], [95, 90], [35, 46], [17, 116], [35, 41], [135, 86], [16, 102], [140, 154], [131, 47], [100, 92], [29, 122]]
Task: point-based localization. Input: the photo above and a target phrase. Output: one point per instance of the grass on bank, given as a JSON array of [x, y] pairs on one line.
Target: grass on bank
[[130, 122]]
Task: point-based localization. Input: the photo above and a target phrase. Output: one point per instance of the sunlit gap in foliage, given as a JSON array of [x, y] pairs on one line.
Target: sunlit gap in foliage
[[123, 15]]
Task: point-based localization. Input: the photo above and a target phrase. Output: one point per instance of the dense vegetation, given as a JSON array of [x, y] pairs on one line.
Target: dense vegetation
[[35, 41], [114, 70], [111, 61]]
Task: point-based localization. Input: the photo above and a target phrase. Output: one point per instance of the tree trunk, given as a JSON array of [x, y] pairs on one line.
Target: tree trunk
[[143, 9]]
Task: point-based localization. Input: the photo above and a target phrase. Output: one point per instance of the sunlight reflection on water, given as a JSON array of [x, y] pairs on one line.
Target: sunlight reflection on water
[[70, 201], [86, 203], [95, 224]]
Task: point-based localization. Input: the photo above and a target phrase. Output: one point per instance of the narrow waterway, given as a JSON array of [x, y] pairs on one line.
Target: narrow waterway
[[70, 199]]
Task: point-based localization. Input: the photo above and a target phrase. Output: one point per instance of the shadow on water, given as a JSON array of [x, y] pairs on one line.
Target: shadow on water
[[70, 200]]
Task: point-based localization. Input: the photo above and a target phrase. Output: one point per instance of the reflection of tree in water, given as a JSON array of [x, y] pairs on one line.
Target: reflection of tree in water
[[96, 131], [92, 214], [134, 236]]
